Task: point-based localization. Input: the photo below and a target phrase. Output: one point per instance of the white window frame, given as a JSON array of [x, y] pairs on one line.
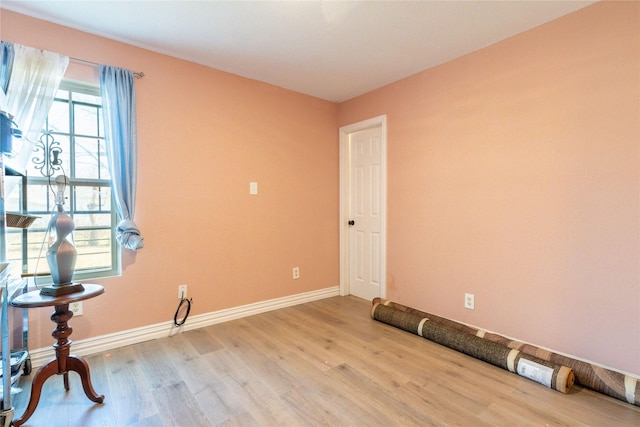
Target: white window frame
[[79, 275]]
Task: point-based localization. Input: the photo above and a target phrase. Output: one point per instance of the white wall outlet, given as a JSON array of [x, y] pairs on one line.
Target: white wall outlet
[[253, 188], [296, 272], [182, 291], [469, 301], [76, 308]]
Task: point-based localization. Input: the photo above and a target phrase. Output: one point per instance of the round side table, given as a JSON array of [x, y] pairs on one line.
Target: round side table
[[63, 362]]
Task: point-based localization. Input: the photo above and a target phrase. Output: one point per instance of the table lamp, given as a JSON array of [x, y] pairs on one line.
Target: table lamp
[[61, 252]]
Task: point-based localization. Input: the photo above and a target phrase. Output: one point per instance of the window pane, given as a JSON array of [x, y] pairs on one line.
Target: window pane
[[63, 94], [85, 119], [39, 225], [94, 248], [58, 119], [91, 159], [100, 124], [14, 245], [13, 195], [93, 238], [37, 250], [93, 199], [92, 220], [40, 200], [86, 98]]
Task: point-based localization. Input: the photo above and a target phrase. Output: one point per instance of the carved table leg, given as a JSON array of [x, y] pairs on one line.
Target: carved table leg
[[44, 373], [60, 365], [79, 365]]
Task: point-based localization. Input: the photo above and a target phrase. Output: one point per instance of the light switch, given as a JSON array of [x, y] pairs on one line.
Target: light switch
[[253, 188]]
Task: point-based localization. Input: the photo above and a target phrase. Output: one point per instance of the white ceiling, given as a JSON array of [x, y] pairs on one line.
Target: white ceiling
[[334, 50]]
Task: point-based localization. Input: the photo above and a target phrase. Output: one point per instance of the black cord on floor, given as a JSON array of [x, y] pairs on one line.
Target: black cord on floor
[[184, 319]]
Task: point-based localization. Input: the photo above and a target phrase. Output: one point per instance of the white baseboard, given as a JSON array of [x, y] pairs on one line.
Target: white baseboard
[[108, 342]]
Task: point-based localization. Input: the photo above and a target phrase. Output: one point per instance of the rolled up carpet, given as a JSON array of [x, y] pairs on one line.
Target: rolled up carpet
[[544, 372], [606, 381]]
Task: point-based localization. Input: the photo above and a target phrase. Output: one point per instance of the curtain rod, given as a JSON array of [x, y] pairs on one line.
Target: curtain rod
[[137, 75]]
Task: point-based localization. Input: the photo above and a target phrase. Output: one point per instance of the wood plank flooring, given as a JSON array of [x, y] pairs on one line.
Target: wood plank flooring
[[324, 363]]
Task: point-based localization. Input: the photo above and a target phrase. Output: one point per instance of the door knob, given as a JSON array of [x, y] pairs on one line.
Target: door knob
[[352, 222]]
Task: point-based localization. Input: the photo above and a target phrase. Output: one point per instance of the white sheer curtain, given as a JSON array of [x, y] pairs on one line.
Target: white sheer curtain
[[35, 77]]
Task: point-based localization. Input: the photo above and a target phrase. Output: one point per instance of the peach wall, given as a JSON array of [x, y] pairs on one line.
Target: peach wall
[[203, 135], [514, 174]]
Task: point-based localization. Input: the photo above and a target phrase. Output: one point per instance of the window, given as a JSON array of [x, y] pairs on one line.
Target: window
[[73, 134]]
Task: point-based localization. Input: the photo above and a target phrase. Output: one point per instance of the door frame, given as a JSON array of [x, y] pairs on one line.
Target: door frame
[[345, 131]]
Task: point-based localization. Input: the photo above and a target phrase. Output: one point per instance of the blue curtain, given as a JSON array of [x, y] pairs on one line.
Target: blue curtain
[[118, 106], [6, 64]]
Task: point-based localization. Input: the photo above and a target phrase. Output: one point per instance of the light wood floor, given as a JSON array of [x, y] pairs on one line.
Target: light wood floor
[[325, 363]]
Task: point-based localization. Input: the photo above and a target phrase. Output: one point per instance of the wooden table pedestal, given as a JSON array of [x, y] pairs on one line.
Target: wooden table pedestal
[[63, 362]]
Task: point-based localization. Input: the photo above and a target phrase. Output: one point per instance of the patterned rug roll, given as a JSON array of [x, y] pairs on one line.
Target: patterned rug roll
[[544, 372], [612, 383]]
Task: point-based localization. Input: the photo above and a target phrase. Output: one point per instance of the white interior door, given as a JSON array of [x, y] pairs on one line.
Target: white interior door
[[363, 176]]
